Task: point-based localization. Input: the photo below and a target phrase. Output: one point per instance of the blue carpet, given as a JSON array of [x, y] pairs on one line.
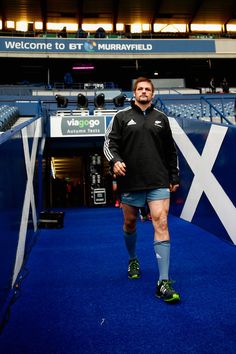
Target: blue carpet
[[77, 298]]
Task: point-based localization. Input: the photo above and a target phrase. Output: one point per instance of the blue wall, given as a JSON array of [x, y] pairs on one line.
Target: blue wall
[[18, 200], [207, 159]]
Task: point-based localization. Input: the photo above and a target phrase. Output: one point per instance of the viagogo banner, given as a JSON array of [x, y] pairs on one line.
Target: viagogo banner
[[123, 46], [69, 126]]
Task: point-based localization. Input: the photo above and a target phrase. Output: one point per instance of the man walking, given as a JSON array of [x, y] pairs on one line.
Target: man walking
[[141, 151]]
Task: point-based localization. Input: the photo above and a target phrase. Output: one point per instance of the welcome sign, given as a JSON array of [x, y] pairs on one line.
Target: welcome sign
[[108, 46]]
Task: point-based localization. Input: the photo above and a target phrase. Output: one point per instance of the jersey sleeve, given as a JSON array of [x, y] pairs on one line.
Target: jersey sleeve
[[172, 157], [111, 147]]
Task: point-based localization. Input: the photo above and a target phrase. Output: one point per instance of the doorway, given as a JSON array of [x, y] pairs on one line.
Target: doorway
[[68, 181], [75, 179]]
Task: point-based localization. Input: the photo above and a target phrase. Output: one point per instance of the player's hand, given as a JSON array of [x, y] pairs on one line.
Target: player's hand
[[174, 187], [119, 168]]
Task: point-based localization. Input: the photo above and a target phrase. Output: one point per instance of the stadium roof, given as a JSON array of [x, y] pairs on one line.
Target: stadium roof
[[121, 11]]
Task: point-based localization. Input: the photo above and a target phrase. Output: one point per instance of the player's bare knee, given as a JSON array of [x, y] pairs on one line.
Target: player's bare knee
[[160, 223], [163, 224], [130, 225]]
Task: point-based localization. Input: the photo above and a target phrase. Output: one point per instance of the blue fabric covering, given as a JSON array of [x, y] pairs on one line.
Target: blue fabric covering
[[77, 298]]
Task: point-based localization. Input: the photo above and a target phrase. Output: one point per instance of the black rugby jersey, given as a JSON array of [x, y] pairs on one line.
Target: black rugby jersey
[[143, 140]]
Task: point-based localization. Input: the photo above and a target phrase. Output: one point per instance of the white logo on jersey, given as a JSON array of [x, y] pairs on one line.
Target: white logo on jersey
[[157, 123], [131, 122]]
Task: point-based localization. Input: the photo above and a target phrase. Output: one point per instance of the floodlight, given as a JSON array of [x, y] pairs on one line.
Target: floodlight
[[99, 100], [119, 100], [62, 101], [82, 101]]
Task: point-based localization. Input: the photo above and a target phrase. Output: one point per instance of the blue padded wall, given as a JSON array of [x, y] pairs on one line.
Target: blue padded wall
[[18, 200], [207, 159]]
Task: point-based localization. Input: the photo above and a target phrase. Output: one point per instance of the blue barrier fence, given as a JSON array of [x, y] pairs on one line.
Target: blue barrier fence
[[207, 159], [19, 184]]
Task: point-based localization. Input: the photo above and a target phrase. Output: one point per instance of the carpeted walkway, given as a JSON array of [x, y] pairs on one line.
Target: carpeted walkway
[[77, 298]]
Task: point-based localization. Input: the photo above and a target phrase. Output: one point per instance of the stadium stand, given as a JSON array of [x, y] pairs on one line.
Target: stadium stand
[[8, 116], [218, 108], [27, 114]]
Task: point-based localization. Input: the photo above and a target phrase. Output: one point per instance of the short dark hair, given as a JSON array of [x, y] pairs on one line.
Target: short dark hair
[[143, 79]]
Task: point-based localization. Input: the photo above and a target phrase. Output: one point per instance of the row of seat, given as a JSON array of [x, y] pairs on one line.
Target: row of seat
[[8, 116], [203, 110]]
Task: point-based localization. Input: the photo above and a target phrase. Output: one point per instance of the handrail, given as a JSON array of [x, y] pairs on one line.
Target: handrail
[[162, 105], [212, 107]]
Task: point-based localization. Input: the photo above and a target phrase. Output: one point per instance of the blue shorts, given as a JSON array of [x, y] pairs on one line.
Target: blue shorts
[[139, 199]]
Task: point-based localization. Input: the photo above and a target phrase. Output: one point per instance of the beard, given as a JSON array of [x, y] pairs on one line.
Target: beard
[[143, 100]]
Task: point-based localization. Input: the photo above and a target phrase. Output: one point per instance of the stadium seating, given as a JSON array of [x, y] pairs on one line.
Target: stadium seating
[[220, 111], [8, 116]]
